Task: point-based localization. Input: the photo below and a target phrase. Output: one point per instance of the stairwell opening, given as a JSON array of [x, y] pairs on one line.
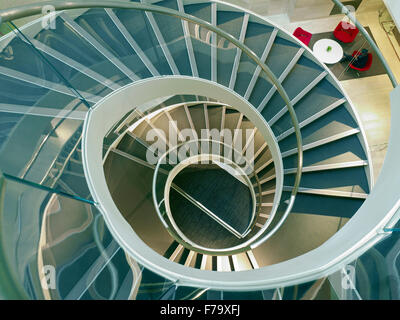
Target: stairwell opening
[[214, 187]]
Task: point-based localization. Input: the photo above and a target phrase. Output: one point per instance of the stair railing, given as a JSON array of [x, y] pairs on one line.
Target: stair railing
[[365, 33], [32, 9]]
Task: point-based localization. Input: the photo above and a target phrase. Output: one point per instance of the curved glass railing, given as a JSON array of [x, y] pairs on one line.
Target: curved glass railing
[[201, 45], [375, 275], [57, 94], [38, 232], [195, 23]]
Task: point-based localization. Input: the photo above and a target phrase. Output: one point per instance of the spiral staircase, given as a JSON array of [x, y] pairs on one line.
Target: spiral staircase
[[138, 69]]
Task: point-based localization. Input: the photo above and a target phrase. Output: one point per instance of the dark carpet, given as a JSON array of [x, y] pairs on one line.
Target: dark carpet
[[221, 193]]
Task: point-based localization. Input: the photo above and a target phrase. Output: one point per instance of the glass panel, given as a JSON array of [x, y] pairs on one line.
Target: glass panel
[[152, 286], [73, 36], [373, 276], [56, 247], [377, 272], [201, 40], [41, 115], [111, 40], [172, 31], [140, 33]]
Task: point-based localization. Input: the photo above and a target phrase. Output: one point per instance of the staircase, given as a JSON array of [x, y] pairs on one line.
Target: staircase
[[54, 76]]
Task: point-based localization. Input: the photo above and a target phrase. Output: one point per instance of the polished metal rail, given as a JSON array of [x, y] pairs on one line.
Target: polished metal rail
[[47, 189], [33, 9], [179, 190], [174, 231], [24, 11], [127, 122]]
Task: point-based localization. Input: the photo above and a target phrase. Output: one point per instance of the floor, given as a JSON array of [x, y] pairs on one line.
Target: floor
[[341, 70]]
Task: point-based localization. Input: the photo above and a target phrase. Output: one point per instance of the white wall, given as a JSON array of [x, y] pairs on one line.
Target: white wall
[[394, 9], [371, 5], [310, 9]]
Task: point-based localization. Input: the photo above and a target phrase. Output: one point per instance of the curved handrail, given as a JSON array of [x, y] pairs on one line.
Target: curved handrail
[[360, 27], [32, 9], [187, 104], [182, 237], [342, 248]]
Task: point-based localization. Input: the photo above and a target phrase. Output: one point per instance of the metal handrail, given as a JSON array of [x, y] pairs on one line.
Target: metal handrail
[[10, 14], [32, 9], [175, 232], [127, 122], [360, 27], [47, 189]]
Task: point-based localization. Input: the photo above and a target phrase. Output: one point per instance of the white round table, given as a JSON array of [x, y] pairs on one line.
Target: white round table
[[334, 55]]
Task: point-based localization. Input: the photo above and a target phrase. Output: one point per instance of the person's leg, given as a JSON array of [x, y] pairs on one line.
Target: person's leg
[[346, 57], [361, 62]]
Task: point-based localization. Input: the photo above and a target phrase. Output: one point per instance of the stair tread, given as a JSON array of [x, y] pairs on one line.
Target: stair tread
[[65, 40], [343, 150], [257, 42], [302, 75], [319, 98], [325, 205], [142, 32], [336, 122], [231, 22], [345, 179], [172, 32], [282, 52], [247, 68], [133, 147], [202, 50], [198, 118], [179, 115], [215, 116], [257, 36], [95, 22]]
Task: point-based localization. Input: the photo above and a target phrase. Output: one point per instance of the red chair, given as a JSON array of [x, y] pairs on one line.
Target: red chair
[[345, 32], [367, 66], [303, 35]]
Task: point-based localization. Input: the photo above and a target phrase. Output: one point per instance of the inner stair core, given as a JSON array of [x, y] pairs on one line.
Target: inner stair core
[[215, 188]]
